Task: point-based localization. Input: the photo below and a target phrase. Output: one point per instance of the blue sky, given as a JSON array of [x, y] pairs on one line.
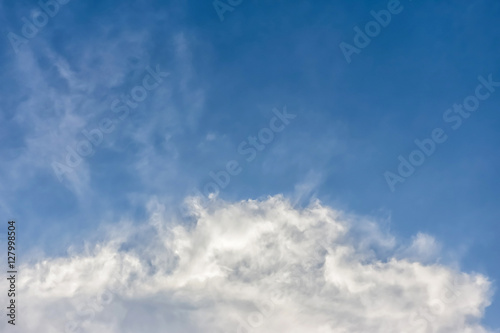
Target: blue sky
[[226, 81]]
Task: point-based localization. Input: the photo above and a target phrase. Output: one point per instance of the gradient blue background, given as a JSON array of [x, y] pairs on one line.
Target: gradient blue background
[[353, 120]]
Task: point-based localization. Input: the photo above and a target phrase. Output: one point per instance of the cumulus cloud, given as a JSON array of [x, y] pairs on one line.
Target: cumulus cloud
[[250, 266]]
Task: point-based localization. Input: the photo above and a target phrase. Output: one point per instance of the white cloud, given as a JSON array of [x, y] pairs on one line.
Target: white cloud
[[424, 248], [57, 102], [250, 266]]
